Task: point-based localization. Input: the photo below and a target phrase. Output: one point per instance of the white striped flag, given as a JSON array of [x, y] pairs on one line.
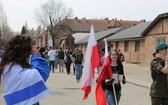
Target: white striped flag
[[28, 86], [92, 61]]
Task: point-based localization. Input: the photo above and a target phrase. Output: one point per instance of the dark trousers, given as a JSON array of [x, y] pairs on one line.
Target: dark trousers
[[73, 70], [52, 64], [68, 66]]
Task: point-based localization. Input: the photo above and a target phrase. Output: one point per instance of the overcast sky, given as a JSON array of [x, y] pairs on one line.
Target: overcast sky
[[20, 11]]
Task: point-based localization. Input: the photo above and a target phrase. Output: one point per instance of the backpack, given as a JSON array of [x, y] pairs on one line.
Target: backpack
[[78, 57], [61, 55], [69, 59]]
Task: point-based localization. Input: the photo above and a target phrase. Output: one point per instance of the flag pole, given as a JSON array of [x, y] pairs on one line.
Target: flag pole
[[115, 98]]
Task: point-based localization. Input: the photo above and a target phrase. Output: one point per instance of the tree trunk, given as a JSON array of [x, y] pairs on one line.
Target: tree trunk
[[53, 41]]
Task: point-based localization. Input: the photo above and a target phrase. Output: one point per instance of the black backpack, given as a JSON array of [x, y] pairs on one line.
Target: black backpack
[[78, 57], [69, 59], [61, 55]]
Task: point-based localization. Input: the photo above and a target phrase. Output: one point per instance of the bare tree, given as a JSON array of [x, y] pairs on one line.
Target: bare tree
[[39, 30], [5, 30], [50, 14]]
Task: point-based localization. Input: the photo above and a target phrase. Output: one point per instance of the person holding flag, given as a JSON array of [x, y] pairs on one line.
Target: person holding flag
[[108, 88]]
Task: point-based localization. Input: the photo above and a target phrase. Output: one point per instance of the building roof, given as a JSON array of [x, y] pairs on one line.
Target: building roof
[[79, 36], [100, 35], [83, 25], [123, 23], [164, 15], [129, 33]]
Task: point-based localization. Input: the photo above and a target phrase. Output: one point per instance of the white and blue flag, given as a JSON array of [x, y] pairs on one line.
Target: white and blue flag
[[23, 86]]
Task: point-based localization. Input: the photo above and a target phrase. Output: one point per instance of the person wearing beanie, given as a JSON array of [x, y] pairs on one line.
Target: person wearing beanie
[[159, 71]]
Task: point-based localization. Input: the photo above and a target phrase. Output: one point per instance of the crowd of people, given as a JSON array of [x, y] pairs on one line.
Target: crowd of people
[[21, 62], [26, 61], [66, 58], [159, 70], [63, 59]]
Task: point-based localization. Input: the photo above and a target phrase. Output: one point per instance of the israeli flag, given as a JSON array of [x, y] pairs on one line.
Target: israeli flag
[[23, 86]]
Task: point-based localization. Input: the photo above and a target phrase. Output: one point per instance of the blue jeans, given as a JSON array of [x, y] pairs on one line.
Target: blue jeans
[[110, 97], [78, 71]]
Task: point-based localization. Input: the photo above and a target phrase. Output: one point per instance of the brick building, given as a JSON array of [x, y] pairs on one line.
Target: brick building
[[76, 25], [130, 42], [155, 33], [139, 42]]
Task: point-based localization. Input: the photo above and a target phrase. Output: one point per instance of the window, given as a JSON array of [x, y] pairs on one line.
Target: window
[[117, 45], [160, 40], [126, 46], [137, 46]]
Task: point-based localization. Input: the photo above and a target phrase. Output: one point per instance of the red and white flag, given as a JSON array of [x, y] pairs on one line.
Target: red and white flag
[[105, 73], [92, 61]]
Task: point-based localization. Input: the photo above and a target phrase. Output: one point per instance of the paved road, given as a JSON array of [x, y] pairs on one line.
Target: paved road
[[65, 89]]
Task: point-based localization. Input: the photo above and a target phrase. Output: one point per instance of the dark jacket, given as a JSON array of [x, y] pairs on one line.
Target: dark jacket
[[78, 57], [159, 84], [119, 70]]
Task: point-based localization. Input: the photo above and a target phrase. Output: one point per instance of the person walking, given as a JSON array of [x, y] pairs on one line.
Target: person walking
[[52, 56], [159, 71], [122, 58], [68, 61], [113, 94], [56, 58], [61, 59], [23, 82], [77, 58]]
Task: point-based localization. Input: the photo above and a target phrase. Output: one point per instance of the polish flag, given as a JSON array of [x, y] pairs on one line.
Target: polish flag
[[105, 73], [92, 61]]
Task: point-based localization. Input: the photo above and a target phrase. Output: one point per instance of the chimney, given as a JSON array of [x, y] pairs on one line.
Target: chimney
[[84, 19], [76, 18], [106, 18], [143, 20]]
